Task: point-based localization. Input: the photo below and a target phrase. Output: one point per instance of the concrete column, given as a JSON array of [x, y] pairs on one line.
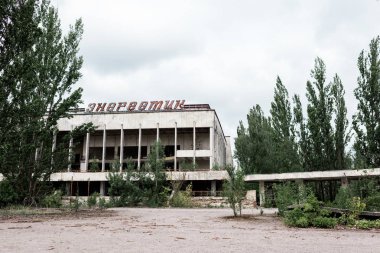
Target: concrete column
[[344, 182], [139, 150], [102, 188], [175, 147], [211, 147], [87, 152], [70, 152], [194, 143], [121, 147], [213, 188], [68, 188], [53, 147], [104, 149], [158, 132], [262, 193]]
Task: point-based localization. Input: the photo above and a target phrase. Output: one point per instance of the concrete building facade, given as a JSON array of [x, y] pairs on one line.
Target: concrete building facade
[[190, 134]]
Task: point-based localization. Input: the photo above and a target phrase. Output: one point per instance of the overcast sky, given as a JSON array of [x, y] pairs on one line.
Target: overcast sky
[[223, 53]]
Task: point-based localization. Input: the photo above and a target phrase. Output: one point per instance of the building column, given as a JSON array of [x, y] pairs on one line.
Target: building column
[[194, 144], [175, 147], [53, 147], [104, 149], [262, 193], [344, 182], [121, 147], [102, 188], [139, 150], [213, 188], [211, 147], [87, 152], [68, 188], [158, 132], [70, 152]]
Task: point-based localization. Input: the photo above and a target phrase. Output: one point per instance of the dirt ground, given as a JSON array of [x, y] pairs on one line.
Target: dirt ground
[[174, 230]]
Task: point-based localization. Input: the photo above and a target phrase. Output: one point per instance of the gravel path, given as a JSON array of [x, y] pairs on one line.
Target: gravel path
[[177, 230]]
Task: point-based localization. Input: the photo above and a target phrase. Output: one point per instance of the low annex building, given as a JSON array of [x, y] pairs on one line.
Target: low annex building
[[190, 134]]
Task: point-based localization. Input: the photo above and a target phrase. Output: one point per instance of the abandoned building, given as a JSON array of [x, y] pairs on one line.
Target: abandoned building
[[190, 134]]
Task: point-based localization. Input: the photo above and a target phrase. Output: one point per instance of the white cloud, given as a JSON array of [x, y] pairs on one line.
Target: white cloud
[[225, 53]]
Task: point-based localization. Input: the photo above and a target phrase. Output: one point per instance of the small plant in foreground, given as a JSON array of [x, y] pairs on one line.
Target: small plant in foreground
[[53, 200], [92, 199]]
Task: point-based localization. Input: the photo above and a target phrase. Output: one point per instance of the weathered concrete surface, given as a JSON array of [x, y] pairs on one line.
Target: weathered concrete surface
[[314, 175], [178, 230], [102, 176]]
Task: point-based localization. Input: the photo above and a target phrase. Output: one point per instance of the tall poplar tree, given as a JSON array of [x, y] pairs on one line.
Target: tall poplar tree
[[38, 67], [319, 111], [341, 134], [301, 134], [286, 156], [366, 122], [254, 144]]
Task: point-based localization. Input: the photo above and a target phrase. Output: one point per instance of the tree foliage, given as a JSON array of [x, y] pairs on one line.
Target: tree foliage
[[38, 68], [287, 141], [366, 122], [147, 186], [285, 149], [319, 112], [234, 189], [255, 144]]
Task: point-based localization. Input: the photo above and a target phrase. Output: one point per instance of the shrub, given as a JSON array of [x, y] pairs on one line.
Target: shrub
[[308, 214], [363, 224], [302, 222], [7, 194], [289, 193], [75, 204], [92, 199], [53, 200], [343, 198], [324, 222], [102, 203], [373, 203], [183, 198]]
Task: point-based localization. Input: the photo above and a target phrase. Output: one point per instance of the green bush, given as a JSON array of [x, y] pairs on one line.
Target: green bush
[[310, 213], [343, 198], [373, 203], [363, 224], [102, 203], [324, 222], [53, 200], [8, 195], [92, 199], [75, 203], [302, 222], [289, 193], [182, 198]]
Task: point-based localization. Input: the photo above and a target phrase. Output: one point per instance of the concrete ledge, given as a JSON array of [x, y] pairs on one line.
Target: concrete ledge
[[102, 176], [313, 175]]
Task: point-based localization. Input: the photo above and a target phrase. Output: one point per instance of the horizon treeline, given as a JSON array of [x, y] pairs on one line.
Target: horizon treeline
[[295, 138]]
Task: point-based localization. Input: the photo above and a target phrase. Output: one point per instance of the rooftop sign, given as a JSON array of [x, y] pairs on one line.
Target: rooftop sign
[[143, 106]]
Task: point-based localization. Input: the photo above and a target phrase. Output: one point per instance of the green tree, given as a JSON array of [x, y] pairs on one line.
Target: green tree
[[38, 68], [234, 189], [319, 111], [366, 122], [341, 135], [156, 190], [301, 134], [286, 156], [254, 145]]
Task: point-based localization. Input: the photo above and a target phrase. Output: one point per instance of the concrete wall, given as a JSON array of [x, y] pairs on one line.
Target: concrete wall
[[148, 120]]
